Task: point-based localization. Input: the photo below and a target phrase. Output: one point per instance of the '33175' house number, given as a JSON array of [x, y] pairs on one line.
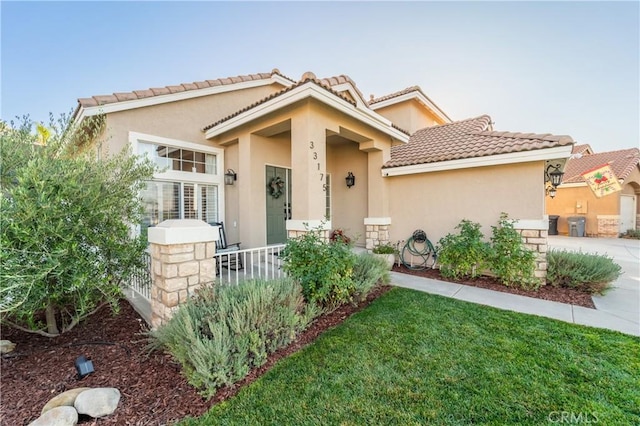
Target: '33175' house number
[[314, 155]]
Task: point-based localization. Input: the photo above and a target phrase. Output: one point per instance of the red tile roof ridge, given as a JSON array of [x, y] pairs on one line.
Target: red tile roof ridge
[[307, 77], [404, 91], [621, 161], [97, 100]]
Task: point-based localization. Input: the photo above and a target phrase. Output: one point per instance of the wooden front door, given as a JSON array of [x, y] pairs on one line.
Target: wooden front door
[[278, 189]]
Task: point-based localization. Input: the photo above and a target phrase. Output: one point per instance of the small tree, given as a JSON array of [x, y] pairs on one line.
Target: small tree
[[511, 261], [65, 223]]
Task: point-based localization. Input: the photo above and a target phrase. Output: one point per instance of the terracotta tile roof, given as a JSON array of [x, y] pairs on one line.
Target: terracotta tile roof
[[341, 79], [582, 149], [622, 163], [307, 77], [141, 94], [469, 138], [373, 100]]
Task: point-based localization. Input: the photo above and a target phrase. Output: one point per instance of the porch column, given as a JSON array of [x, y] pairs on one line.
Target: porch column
[[181, 262], [308, 160], [378, 222]]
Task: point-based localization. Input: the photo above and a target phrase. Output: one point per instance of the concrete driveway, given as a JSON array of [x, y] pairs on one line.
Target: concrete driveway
[[623, 300]]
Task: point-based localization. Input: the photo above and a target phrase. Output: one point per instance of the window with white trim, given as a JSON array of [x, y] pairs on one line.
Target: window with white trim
[[188, 185]]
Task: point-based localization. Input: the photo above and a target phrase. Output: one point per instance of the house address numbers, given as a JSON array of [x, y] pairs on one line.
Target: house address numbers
[[314, 155]]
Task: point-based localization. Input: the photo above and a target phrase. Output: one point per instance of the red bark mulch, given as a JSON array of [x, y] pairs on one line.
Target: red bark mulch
[[153, 392]]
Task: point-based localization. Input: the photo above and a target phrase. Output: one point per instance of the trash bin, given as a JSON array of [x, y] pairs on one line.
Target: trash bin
[[576, 226], [553, 224]]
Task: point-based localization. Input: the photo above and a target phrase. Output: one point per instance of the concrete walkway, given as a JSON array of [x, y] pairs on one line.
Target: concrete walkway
[[618, 310]]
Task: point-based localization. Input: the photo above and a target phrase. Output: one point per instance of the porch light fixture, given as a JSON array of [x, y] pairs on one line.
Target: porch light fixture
[[351, 180], [554, 176], [230, 177]]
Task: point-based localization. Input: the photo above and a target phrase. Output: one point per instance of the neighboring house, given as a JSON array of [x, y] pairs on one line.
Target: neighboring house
[[610, 215], [289, 145]]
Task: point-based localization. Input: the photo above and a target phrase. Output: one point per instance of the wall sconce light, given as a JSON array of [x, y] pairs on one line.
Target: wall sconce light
[[351, 180], [230, 177], [554, 177], [84, 366]]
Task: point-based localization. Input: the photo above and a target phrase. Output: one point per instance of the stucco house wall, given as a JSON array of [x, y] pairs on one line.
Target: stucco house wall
[[408, 115], [436, 202]]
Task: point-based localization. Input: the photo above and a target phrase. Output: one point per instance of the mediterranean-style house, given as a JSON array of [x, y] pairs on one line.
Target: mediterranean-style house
[[309, 153], [607, 216]]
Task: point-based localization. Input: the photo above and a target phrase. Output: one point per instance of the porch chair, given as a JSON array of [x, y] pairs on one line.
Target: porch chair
[[230, 261]]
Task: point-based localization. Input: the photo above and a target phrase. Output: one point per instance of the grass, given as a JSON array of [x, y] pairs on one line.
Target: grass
[[413, 358]]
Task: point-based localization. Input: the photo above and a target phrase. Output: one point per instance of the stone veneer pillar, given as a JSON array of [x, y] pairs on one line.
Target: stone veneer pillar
[[534, 235], [181, 262], [608, 226], [297, 228], [376, 231]]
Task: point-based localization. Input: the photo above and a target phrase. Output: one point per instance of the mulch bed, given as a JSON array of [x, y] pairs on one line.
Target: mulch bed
[[153, 392], [547, 292]]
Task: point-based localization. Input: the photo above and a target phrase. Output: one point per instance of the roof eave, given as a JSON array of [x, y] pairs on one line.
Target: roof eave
[[418, 96], [82, 112], [308, 90], [554, 153]]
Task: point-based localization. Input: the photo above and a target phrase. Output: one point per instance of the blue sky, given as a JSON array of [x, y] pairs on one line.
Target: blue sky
[[547, 67]]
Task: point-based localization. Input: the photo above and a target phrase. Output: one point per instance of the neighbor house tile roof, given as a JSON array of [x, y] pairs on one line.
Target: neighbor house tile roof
[[141, 94], [307, 77], [622, 163], [469, 138], [581, 149]]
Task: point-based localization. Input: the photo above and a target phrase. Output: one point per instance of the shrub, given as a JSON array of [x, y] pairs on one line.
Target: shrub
[[368, 271], [384, 249], [323, 269], [510, 260], [65, 220], [227, 330], [591, 273], [632, 234], [465, 254], [338, 235]]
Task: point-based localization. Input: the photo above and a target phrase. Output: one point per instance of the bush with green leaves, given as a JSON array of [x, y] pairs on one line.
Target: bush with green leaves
[[384, 249], [463, 255], [590, 273], [369, 271], [510, 260], [323, 268], [65, 230], [227, 330]]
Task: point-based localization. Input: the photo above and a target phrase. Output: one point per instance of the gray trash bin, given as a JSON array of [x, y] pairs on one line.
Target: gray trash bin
[[576, 226], [553, 224]]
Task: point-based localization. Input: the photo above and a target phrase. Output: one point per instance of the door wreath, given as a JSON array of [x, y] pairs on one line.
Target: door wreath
[[276, 186]]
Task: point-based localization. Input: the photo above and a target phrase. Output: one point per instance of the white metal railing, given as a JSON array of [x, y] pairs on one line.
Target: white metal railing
[[141, 279], [261, 262]]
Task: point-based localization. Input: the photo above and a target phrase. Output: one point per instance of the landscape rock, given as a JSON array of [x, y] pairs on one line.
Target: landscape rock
[[64, 399], [58, 416], [97, 402], [6, 346]]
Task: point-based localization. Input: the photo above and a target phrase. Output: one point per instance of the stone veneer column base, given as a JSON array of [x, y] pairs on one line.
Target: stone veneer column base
[[608, 226], [534, 235], [297, 228], [376, 231], [181, 262]]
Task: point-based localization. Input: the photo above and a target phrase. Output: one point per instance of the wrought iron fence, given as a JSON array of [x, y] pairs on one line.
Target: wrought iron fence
[[261, 262], [141, 278]]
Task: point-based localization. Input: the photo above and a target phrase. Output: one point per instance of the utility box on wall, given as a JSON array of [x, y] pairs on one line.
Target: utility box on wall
[[581, 207]]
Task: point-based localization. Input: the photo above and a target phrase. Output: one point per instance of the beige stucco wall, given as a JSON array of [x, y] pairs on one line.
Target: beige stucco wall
[[182, 120], [436, 202], [409, 115]]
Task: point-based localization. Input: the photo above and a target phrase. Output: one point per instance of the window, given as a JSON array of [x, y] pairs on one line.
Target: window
[[188, 184], [178, 159]]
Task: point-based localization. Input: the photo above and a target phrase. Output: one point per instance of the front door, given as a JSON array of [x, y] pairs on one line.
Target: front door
[[278, 187]]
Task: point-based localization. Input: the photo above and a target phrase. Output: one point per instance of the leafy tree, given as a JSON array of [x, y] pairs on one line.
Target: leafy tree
[[65, 224]]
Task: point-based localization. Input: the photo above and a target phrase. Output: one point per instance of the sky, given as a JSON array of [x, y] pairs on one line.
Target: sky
[[567, 68]]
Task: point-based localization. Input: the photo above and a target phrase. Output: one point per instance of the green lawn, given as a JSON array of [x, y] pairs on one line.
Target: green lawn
[[413, 358]]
